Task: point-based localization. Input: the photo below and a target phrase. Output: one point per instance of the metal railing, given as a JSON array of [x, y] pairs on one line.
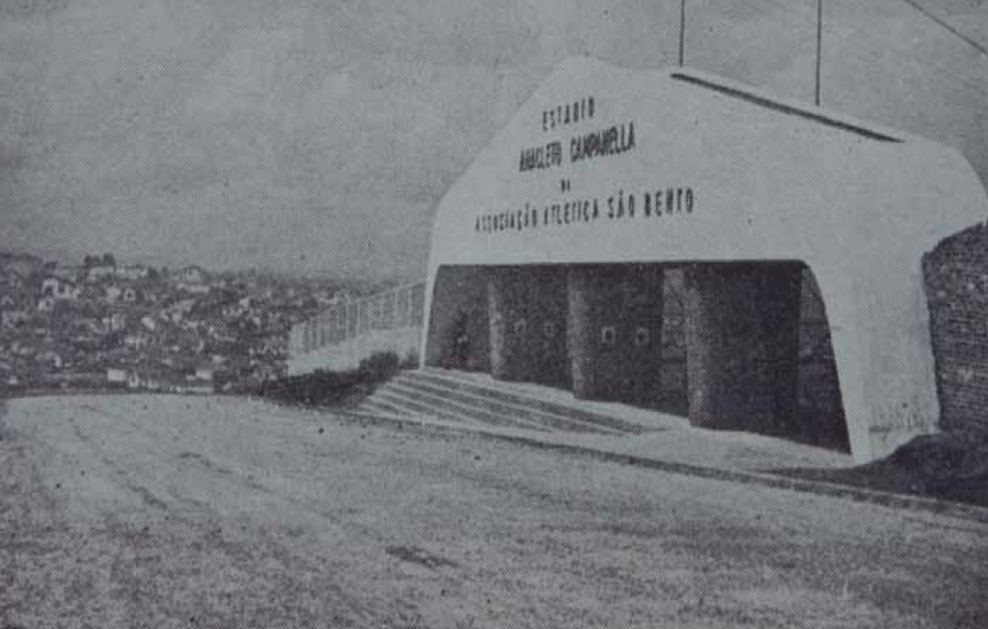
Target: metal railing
[[400, 307]]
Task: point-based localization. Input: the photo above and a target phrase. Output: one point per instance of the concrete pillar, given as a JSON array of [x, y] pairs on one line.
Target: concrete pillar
[[742, 346], [547, 323], [595, 304], [615, 332], [508, 291], [580, 329], [639, 339]]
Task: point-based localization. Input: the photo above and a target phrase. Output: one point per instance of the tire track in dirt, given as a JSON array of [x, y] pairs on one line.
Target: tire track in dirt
[[239, 479], [308, 504], [368, 613], [119, 475]]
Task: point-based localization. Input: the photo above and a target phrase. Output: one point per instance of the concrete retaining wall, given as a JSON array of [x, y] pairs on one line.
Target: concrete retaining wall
[[347, 355]]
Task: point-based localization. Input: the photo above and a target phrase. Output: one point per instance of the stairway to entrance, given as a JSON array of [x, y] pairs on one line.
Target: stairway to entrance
[[477, 399]]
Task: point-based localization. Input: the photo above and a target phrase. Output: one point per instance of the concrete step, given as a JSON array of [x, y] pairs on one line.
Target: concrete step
[[507, 392], [518, 410], [378, 405], [391, 400], [418, 408], [363, 412], [437, 403]]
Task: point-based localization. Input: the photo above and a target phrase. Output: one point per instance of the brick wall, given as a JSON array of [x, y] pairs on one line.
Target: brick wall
[[821, 414], [459, 300], [956, 277], [742, 338], [820, 408]]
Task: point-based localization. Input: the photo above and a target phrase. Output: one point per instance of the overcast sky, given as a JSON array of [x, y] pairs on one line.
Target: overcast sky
[[319, 135]]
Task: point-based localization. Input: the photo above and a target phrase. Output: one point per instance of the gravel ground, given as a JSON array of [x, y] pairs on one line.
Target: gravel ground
[[166, 511]]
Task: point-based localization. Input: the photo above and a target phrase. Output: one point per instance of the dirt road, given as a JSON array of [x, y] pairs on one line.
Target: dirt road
[[164, 511]]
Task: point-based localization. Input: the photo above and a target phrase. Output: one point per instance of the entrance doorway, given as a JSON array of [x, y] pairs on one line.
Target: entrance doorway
[[740, 346]]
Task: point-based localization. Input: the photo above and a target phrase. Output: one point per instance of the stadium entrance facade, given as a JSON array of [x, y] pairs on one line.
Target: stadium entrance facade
[[600, 330], [623, 212]]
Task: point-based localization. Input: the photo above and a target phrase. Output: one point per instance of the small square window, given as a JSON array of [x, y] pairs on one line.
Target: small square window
[[641, 337], [608, 334]]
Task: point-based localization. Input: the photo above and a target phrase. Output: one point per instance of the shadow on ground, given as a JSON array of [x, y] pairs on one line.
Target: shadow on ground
[[950, 466]]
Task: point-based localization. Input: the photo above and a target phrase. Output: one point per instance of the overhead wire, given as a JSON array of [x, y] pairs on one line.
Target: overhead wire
[[953, 30], [855, 42]]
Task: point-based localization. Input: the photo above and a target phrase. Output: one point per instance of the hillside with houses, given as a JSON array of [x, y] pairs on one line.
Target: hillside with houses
[[104, 325]]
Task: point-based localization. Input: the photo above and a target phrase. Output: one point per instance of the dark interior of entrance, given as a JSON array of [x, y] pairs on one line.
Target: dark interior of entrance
[[738, 346]]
